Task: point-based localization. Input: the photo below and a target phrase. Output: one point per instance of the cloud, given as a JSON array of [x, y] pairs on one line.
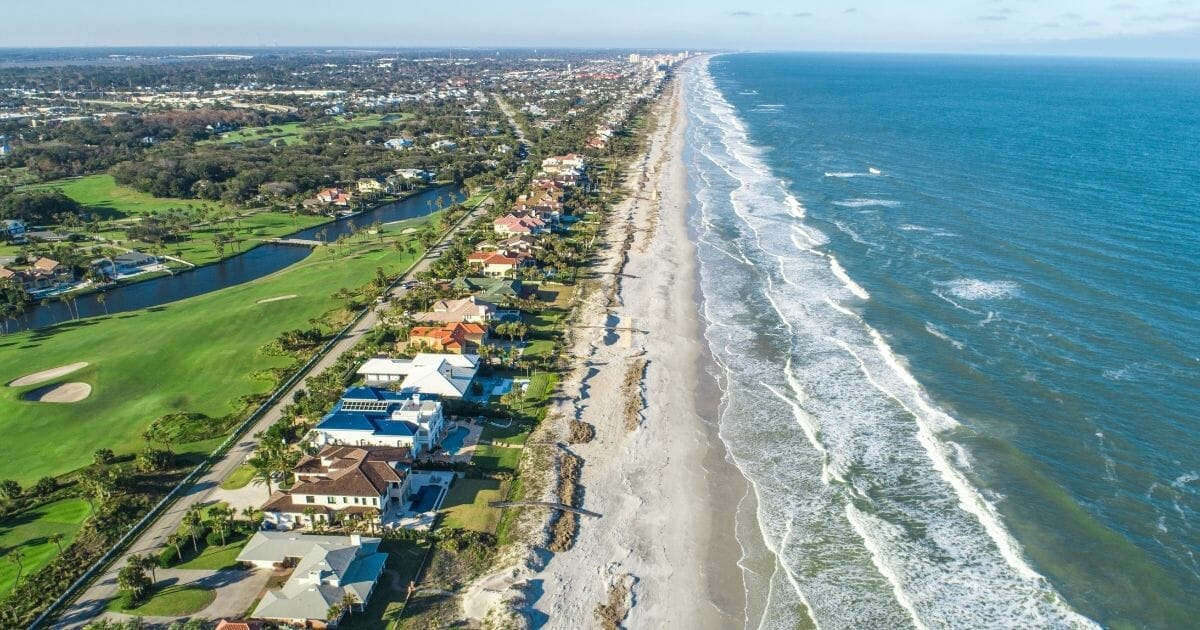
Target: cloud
[[992, 18], [802, 14], [742, 14], [851, 10], [1123, 6], [1051, 25]]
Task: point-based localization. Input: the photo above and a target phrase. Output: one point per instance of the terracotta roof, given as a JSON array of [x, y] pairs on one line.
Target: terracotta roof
[[227, 624], [349, 471], [45, 264]]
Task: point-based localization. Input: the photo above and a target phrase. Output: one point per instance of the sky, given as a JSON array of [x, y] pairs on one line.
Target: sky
[[1134, 28]]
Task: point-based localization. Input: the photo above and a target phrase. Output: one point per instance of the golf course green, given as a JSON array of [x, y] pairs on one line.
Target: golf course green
[[195, 355]]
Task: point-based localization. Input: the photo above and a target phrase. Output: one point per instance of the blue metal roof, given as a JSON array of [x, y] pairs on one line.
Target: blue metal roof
[[347, 421]]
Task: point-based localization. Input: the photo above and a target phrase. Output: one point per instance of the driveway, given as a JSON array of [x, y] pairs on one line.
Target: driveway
[[236, 590]]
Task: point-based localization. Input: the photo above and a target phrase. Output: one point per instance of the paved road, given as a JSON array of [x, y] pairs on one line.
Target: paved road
[[512, 120], [91, 603]]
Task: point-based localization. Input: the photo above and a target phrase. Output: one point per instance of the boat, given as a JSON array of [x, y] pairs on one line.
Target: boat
[[874, 171]]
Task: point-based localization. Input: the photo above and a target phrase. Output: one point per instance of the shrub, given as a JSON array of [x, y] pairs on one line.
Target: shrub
[[45, 486], [213, 539], [167, 557]]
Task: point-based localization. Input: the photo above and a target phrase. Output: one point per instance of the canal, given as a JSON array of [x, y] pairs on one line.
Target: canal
[[255, 263]]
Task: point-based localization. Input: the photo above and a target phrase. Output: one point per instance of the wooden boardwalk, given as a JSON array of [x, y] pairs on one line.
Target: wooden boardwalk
[[554, 506]]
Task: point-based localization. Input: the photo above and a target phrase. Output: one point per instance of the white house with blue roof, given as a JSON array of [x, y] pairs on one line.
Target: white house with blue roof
[[369, 416]]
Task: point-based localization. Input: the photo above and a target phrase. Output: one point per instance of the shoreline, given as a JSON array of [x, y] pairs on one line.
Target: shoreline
[[664, 487]]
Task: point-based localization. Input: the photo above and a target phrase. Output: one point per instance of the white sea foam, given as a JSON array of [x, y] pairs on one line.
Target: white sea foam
[[937, 332], [845, 175], [908, 227], [973, 289], [868, 203], [862, 498], [841, 274], [854, 235]]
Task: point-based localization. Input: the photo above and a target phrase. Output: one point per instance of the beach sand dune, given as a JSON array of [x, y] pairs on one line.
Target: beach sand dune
[[654, 469], [47, 375]]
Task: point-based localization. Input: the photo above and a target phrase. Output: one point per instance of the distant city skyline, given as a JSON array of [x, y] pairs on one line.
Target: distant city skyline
[[1129, 28]]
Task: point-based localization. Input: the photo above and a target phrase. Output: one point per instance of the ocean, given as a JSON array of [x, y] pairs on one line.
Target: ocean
[[954, 305]]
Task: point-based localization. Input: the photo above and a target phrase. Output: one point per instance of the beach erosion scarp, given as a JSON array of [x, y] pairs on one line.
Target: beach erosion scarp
[[664, 551]]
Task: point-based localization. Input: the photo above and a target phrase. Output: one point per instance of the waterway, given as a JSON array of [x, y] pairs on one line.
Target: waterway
[[250, 265]]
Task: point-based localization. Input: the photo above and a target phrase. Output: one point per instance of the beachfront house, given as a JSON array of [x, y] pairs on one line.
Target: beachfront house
[[519, 223], [444, 375], [371, 416], [342, 482], [499, 264], [469, 309], [327, 569], [456, 338]]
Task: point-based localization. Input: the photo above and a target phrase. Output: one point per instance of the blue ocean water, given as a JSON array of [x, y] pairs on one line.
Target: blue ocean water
[[956, 307]]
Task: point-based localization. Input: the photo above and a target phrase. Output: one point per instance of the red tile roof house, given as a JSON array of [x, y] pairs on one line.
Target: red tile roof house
[[510, 224], [335, 196], [499, 264], [453, 338], [360, 482]]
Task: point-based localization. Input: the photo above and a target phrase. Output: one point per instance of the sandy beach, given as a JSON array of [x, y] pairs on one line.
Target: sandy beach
[[663, 549]]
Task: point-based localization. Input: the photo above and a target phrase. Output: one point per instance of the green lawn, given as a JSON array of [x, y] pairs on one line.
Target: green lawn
[[404, 560], [251, 230], [193, 355], [216, 557], [100, 192], [239, 478], [29, 530], [466, 505], [491, 457], [172, 601], [293, 133]]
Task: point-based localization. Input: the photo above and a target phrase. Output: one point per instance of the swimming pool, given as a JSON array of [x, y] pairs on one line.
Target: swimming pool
[[426, 499], [454, 441]]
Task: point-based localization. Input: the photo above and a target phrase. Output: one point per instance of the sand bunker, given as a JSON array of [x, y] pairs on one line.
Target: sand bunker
[[47, 375], [61, 393], [276, 299]]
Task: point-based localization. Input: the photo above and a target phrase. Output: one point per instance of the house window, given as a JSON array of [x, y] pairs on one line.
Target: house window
[[310, 499], [374, 501], [332, 499]]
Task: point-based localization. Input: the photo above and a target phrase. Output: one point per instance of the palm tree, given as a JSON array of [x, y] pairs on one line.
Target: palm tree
[[173, 540], [151, 562], [334, 613], [132, 580], [263, 470], [193, 521], [348, 602], [56, 538], [17, 557], [219, 520]]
